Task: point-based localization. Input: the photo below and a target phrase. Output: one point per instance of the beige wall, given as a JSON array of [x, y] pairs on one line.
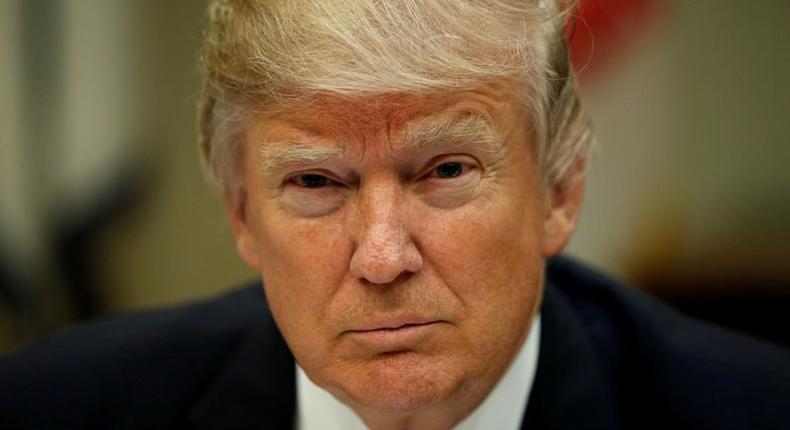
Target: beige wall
[[176, 245], [695, 142]]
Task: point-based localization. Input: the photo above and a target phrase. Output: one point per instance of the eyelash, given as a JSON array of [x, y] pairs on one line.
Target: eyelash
[[299, 179]]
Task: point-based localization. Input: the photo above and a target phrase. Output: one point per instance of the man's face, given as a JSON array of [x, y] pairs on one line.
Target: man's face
[[401, 240]]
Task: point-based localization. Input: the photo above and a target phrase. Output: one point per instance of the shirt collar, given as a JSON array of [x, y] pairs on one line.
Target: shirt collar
[[503, 408]]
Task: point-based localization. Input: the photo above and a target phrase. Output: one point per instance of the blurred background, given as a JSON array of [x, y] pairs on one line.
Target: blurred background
[[103, 208]]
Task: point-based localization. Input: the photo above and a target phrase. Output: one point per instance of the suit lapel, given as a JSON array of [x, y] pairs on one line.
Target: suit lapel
[[569, 390], [255, 389]]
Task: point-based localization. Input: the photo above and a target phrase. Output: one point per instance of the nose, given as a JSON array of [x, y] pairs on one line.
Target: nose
[[385, 248]]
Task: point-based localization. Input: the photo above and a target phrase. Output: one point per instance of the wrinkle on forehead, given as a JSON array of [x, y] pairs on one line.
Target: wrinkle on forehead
[[359, 115], [322, 127], [341, 116]]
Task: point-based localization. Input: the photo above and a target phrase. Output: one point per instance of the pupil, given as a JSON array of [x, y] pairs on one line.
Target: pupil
[[314, 181], [449, 170]]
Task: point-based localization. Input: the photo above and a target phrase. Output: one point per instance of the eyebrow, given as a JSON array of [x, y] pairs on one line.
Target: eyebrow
[[274, 155], [466, 130]]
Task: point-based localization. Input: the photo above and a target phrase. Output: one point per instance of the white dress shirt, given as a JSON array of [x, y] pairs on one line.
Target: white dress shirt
[[502, 409]]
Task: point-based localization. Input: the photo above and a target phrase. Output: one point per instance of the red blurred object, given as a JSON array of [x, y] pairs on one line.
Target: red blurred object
[[603, 29]]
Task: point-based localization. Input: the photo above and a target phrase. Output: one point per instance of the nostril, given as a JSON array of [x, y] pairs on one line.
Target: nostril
[[400, 279], [381, 279]]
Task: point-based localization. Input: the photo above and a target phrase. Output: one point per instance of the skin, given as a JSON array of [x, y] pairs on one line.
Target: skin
[[389, 236]]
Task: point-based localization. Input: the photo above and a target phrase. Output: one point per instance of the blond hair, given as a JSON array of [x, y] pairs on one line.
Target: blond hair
[[274, 51]]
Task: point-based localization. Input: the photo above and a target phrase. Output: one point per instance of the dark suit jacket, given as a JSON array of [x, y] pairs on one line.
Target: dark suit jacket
[[610, 358]]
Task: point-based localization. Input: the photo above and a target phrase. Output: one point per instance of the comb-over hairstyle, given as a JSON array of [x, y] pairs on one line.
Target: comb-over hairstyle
[[259, 52]]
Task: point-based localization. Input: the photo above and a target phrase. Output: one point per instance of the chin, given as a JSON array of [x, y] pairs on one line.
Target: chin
[[402, 382]]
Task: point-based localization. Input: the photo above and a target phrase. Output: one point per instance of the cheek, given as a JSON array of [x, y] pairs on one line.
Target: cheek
[[489, 256], [299, 273]]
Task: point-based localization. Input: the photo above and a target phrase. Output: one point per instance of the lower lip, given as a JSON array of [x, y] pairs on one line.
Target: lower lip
[[397, 339]]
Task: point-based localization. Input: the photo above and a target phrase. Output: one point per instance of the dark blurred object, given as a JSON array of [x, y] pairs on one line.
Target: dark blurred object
[[764, 315], [75, 290], [77, 247], [747, 292], [16, 305], [67, 167]]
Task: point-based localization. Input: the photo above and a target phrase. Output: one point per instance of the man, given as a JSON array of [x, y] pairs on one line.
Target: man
[[399, 173]]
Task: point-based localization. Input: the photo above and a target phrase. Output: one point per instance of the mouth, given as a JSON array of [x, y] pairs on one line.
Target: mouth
[[395, 335], [394, 325]]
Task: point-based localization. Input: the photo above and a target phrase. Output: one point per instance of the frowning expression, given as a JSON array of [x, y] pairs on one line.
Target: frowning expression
[[401, 240]]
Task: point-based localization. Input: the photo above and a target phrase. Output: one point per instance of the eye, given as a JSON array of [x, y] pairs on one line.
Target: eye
[[450, 170], [311, 180], [450, 181], [312, 193]]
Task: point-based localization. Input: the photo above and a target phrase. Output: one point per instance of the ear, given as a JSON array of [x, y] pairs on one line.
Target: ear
[[236, 208], [564, 201]]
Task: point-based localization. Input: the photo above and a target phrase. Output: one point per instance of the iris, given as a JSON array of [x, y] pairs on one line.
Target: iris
[[313, 181], [449, 170]]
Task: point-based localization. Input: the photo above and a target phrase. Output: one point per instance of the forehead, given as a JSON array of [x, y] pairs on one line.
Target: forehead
[[336, 116]]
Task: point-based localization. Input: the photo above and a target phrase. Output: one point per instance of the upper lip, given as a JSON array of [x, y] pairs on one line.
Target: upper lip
[[392, 323]]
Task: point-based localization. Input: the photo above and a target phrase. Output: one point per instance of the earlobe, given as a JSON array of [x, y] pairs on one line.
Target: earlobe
[[564, 207], [235, 207]]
